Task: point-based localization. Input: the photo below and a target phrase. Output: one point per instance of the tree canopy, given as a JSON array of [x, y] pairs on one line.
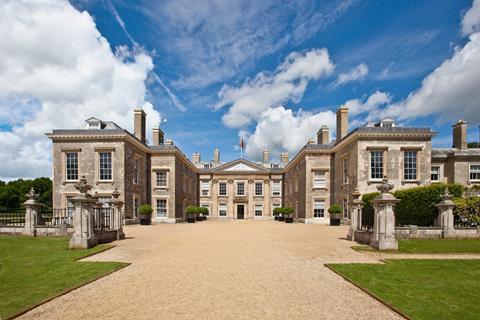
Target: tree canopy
[[13, 193]]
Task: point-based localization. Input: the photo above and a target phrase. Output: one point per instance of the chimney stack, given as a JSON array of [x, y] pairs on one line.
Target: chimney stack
[[284, 158], [196, 157], [323, 135], [157, 136], [266, 156], [139, 125], [460, 135], [216, 156], [342, 123]]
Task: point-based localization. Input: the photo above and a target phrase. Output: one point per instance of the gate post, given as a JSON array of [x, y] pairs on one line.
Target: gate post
[[445, 215], [83, 233], [31, 213], [356, 222], [117, 214], [384, 219]]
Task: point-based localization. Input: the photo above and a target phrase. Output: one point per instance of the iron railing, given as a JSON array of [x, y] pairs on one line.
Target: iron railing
[[102, 218], [367, 220], [12, 219]]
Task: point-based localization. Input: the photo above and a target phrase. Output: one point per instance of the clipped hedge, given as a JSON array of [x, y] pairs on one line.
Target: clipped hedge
[[417, 205]]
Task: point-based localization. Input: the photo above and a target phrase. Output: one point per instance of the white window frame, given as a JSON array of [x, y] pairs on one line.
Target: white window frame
[[222, 207], [244, 189], [66, 166], [255, 188], [406, 173], [136, 170], [345, 171], [219, 189], [279, 183], [157, 208], [314, 208], [135, 206], [370, 173], [319, 183], [345, 209], [256, 210], [204, 186], [437, 173], [476, 171], [157, 180], [100, 165]]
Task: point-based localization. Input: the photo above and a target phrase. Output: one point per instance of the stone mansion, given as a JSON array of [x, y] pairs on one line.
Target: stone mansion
[[323, 172]]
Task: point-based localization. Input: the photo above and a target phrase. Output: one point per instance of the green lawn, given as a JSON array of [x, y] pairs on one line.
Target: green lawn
[[422, 289], [35, 269], [433, 246]]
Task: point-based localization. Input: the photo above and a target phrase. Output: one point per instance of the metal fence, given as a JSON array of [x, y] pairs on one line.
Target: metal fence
[[12, 219], [367, 220], [102, 219]]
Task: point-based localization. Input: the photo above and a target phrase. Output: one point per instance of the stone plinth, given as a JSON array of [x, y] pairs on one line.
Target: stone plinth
[[31, 213], [356, 222], [445, 215], [83, 220]]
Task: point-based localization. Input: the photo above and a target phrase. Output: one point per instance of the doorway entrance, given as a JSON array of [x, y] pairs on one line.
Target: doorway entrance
[[240, 211]]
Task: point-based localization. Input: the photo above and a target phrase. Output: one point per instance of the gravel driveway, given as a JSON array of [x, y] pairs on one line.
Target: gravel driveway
[[223, 270]]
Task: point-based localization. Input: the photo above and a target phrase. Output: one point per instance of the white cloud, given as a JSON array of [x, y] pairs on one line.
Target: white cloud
[[471, 19], [287, 83], [357, 73], [280, 129], [54, 56], [374, 101], [451, 91], [215, 40]]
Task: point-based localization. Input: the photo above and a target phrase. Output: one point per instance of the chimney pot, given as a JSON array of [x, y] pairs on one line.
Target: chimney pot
[[139, 124], [266, 156], [158, 136], [196, 157], [284, 158], [460, 135], [216, 156], [323, 135], [342, 123]]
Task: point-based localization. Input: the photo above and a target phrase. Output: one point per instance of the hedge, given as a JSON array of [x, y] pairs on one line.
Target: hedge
[[417, 205]]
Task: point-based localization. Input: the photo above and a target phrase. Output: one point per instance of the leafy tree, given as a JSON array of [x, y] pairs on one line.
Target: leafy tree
[[473, 145]]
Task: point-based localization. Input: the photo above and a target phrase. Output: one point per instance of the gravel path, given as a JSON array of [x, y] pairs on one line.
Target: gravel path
[[223, 270]]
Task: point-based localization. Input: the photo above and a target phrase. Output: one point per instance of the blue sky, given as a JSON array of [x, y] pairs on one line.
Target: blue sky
[[218, 70]]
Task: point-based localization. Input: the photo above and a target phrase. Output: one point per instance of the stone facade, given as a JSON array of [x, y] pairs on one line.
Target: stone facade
[[320, 174]]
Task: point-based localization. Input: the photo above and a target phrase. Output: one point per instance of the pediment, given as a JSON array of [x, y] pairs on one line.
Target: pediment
[[241, 165]]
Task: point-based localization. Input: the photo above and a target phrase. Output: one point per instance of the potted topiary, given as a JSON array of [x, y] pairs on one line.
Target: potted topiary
[[191, 212], [199, 214], [334, 211], [287, 212], [281, 215], [276, 213], [145, 214], [204, 212]]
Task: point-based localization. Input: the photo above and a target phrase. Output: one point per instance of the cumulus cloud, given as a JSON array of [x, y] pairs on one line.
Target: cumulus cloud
[[280, 129], [471, 20], [451, 90], [357, 73], [374, 101], [266, 90], [57, 70]]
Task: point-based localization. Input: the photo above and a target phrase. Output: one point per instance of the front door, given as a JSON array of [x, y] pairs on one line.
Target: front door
[[240, 211]]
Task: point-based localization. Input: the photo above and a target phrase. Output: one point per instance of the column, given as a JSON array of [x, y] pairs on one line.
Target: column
[[83, 231], [445, 215], [267, 196], [384, 219], [214, 198], [231, 195], [117, 205], [31, 211], [356, 215], [250, 205]]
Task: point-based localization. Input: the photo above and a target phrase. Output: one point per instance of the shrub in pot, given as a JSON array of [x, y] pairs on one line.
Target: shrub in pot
[[281, 214], [145, 214], [287, 212], [191, 213], [334, 211], [204, 212], [276, 212]]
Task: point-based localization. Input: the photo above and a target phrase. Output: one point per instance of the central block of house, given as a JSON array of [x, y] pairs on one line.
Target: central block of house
[[323, 172]]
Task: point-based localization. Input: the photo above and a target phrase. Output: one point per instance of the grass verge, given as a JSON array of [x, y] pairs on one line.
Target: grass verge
[[33, 270], [421, 289], [431, 246]]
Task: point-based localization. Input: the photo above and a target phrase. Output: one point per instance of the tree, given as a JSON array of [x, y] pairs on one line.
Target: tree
[[473, 145]]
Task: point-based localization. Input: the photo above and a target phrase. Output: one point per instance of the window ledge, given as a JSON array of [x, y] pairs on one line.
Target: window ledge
[[258, 196], [410, 181], [320, 188], [161, 188], [374, 181], [69, 182], [104, 181]]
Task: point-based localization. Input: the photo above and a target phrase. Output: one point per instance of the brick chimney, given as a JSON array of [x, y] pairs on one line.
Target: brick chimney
[[196, 157], [284, 158], [460, 135], [216, 156], [139, 125], [157, 136], [342, 123], [266, 156], [323, 135]]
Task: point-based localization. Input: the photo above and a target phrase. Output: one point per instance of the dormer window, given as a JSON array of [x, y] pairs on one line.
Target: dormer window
[[386, 123], [94, 124]]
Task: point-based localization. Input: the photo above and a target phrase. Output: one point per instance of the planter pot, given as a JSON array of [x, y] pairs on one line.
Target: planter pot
[[191, 220], [289, 220], [199, 218], [276, 217], [145, 221], [204, 217], [334, 221], [281, 218]]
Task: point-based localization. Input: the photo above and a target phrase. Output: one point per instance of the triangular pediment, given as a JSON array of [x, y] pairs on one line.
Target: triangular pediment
[[241, 165]]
